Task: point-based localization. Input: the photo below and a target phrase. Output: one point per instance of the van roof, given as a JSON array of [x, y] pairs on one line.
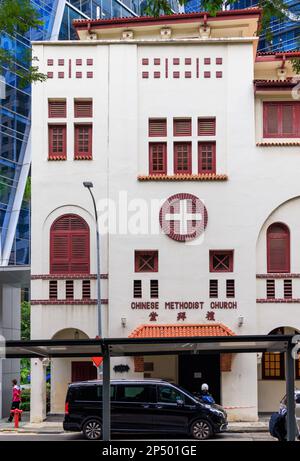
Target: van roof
[[121, 381]]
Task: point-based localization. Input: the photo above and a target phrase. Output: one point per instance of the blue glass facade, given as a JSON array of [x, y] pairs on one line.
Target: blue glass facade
[[285, 33], [15, 108]]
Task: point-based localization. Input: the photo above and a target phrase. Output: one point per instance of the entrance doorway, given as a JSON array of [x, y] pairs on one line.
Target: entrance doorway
[[194, 370], [83, 371]]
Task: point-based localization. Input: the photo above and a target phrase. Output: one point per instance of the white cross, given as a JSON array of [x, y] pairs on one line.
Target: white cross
[[183, 217]]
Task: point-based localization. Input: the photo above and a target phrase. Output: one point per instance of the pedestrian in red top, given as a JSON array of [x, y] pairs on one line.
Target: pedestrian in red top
[[16, 398]]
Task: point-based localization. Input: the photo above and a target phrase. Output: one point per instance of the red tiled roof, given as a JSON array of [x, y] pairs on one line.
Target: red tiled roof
[[78, 23], [184, 177], [175, 331]]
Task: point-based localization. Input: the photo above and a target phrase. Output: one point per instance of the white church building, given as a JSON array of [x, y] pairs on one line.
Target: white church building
[[192, 142]]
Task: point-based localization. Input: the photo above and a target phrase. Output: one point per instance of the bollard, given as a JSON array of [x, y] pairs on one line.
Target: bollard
[[17, 413]]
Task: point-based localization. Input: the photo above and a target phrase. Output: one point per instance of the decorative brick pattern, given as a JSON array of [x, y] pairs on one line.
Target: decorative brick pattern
[[278, 276], [183, 177], [278, 300], [66, 302], [139, 364], [225, 362], [63, 68], [68, 276]]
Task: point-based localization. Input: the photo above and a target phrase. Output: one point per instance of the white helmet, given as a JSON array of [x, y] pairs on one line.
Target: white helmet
[[204, 387]]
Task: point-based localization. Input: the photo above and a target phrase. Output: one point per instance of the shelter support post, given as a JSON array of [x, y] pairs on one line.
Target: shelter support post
[[106, 394], [290, 394]]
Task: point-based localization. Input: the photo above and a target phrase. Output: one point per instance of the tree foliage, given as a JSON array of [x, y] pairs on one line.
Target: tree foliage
[[18, 17]]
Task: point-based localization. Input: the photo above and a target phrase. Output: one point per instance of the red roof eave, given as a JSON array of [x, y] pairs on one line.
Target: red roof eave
[[83, 24]]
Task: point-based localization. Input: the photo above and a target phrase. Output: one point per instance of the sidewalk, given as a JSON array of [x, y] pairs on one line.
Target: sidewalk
[[53, 425]]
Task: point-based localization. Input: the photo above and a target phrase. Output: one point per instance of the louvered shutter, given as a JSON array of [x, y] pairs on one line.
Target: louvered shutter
[[83, 109], [206, 127], [278, 247], [157, 127], [57, 109], [69, 246], [182, 127], [288, 119], [271, 120]]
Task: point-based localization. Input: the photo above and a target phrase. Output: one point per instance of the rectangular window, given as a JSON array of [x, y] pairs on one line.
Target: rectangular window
[[281, 119], [137, 288], [182, 158], [53, 289], [270, 289], [213, 288], [273, 365], [221, 260], [57, 137], [57, 109], [83, 108], [157, 127], [158, 158], [154, 288], [69, 289], [230, 289], [287, 289], [207, 126], [86, 289], [83, 141], [182, 126], [146, 261], [206, 157]]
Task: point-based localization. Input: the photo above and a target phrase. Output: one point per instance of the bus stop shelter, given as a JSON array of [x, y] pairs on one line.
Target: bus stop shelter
[[118, 347]]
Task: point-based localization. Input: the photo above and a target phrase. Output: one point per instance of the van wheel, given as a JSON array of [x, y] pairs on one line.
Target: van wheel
[[92, 430], [201, 430]]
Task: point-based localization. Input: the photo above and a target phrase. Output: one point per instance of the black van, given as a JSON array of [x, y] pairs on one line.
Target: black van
[[141, 406]]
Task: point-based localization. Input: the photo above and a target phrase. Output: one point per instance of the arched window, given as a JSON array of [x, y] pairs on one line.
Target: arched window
[[70, 246], [278, 248]]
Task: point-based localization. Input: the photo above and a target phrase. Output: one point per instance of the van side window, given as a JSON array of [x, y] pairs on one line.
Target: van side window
[[135, 393], [91, 393], [168, 394]]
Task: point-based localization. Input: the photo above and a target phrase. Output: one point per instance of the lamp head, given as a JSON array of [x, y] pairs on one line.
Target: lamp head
[[88, 184]]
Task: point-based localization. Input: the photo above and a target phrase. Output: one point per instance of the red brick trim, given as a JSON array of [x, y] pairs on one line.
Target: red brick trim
[[278, 300], [52, 158], [66, 302], [67, 276], [278, 144], [225, 362], [183, 177], [139, 364]]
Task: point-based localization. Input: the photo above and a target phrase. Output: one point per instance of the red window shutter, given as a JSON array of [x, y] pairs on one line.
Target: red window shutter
[[206, 157], [182, 127], [158, 158], [157, 127], [69, 289], [57, 109], [278, 248], [230, 288], [207, 126], [83, 142], [83, 108], [182, 158], [86, 289], [57, 138], [270, 283], [69, 246], [213, 288], [281, 119]]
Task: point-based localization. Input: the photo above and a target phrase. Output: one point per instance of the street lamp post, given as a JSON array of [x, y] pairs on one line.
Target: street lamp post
[[89, 186]]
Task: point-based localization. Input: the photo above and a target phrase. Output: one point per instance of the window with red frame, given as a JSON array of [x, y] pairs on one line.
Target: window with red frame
[[207, 126], [278, 248], [83, 141], [69, 246], [281, 119], [157, 127], [221, 260], [158, 158], [146, 261], [273, 366], [182, 126], [83, 108], [206, 157], [57, 109], [182, 158], [57, 135]]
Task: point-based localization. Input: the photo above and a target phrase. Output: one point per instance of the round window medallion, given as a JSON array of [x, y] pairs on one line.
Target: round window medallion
[[183, 217]]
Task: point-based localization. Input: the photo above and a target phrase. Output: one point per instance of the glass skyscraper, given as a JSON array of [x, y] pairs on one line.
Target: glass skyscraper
[[285, 33], [57, 16]]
